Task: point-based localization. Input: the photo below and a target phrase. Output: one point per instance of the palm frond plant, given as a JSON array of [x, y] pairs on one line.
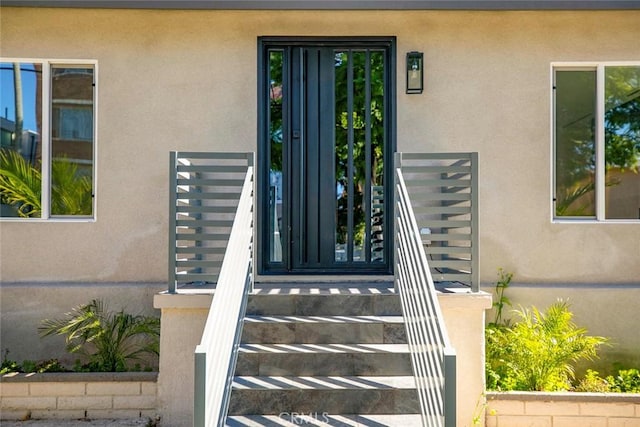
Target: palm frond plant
[[70, 191], [539, 351], [110, 340], [20, 184]]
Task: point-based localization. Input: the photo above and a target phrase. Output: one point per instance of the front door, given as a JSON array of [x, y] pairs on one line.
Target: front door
[[326, 140]]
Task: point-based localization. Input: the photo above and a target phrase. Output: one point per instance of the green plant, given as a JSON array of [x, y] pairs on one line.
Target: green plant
[[71, 192], [110, 340], [480, 410], [627, 381], [21, 186], [592, 382], [538, 351], [29, 366], [504, 280], [7, 365]]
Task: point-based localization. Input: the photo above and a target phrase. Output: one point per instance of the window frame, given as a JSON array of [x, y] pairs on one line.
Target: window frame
[[46, 137], [600, 203]]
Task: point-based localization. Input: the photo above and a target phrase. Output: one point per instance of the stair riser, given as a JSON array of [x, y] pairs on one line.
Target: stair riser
[[324, 305], [324, 364], [324, 333], [392, 401]]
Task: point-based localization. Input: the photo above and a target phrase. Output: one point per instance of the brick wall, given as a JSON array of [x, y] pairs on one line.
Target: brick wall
[[536, 409], [78, 395]]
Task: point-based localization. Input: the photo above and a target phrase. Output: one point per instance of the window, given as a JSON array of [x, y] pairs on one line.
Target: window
[[597, 141], [47, 144]]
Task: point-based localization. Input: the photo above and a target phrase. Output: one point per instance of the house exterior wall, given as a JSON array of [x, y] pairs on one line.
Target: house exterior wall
[[23, 306], [186, 80]]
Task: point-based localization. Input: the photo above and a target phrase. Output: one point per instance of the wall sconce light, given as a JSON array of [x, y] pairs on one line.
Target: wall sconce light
[[415, 72]]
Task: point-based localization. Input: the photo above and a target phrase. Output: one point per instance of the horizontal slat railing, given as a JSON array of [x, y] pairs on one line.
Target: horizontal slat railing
[[216, 355], [204, 195], [444, 192], [433, 357]]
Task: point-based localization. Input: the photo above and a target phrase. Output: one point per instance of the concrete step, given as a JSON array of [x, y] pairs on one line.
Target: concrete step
[[324, 354], [323, 359], [273, 395], [324, 329], [324, 300], [324, 419]]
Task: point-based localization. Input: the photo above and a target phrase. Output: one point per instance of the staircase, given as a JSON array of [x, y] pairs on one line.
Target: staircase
[[324, 355]]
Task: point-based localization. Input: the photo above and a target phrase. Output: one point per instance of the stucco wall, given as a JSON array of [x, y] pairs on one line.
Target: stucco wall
[[606, 310], [187, 80], [23, 306]]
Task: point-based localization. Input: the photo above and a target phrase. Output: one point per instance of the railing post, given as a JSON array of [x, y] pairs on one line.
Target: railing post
[[397, 164], [200, 387], [173, 183], [475, 238], [251, 158], [449, 387]]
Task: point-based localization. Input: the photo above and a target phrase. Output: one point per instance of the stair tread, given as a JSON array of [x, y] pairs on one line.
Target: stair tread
[[323, 319], [324, 419], [248, 382], [328, 288], [323, 348]]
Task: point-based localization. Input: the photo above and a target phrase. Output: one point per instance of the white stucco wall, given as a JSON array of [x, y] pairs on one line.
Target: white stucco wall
[[186, 80], [606, 310], [23, 306]]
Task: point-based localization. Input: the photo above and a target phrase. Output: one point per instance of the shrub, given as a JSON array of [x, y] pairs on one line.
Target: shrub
[[539, 351], [592, 382], [627, 381], [8, 365], [110, 340], [29, 366]]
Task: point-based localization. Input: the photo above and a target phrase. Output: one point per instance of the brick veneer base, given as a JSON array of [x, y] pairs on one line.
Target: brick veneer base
[[562, 409], [78, 395]]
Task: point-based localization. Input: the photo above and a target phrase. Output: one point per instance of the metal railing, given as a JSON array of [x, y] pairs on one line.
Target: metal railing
[[444, 193], [433, 357], [204, 193], [216, 355]]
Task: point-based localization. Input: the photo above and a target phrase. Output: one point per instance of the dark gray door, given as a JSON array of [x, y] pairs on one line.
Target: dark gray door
[[326, 156]]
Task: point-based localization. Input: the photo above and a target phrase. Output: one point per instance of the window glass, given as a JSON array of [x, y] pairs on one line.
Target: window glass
[[58, 153], [341, 162], [378, 143], [71, 141], [575, 143], [597, 142], [20, 142], [275, 155], [622, 142]]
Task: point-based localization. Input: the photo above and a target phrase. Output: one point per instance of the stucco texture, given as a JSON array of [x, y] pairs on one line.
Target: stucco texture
[[186, 80]]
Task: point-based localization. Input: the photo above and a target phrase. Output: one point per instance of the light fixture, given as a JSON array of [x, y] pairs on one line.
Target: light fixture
[[415, 74]]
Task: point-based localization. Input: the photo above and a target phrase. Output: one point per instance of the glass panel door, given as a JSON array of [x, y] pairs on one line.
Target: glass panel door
[[326, 147]]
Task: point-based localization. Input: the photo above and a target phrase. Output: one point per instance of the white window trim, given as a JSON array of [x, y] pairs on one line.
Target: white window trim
[[599, 67], [46, 138]]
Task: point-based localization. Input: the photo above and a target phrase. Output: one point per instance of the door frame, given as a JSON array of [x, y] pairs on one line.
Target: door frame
[[262, 178]]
